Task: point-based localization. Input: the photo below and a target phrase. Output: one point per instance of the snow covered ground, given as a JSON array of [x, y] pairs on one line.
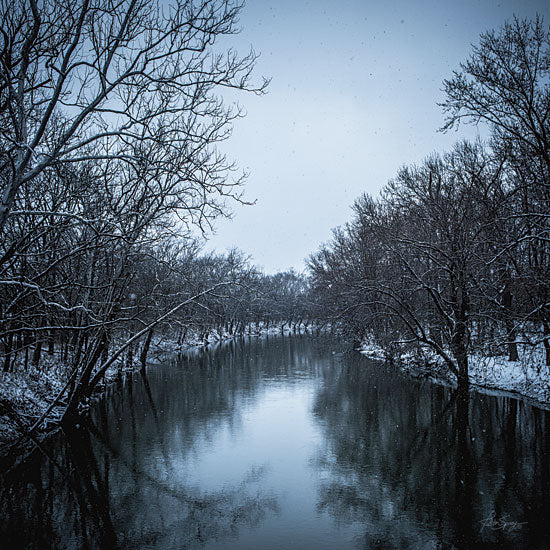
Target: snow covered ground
[[166, 344], [25, 395], [528, 377]]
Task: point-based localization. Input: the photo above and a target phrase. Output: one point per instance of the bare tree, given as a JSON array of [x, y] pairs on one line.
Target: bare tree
[[411, 268], [505, 84], [113, 79]]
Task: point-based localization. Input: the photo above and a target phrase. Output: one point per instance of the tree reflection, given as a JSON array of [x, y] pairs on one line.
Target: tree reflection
[[465, 474], [103, 493], [65, 502], [421, 465]]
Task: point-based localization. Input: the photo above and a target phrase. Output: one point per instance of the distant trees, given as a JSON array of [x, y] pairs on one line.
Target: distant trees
[[453, 255], [251, 302], [285, 300]]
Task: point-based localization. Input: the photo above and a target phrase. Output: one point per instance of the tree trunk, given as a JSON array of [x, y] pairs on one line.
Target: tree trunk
[[26, 344], [130, 357], [37, 353], [459, 340], [8, 349], [145, 349], [51, 343], [105, 352], [463, 376], [511, 332], [546, 341], [81, 387]]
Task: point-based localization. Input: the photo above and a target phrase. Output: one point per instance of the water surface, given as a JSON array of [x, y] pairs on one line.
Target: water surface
[[286, 443]]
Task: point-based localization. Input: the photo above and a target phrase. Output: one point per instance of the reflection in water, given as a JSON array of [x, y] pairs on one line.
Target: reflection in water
[[424, 466], [286, 443]]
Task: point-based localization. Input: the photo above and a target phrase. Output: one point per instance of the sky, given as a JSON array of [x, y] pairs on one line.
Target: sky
[[354, 95]]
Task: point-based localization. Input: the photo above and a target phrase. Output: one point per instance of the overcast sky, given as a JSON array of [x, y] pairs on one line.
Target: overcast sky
[[354, 93]]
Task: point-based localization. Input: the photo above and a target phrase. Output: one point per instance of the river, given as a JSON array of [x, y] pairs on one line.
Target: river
[[285, 442]]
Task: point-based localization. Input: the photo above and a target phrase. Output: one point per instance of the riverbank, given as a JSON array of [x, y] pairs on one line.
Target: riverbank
[[528, 377], [26, 394]]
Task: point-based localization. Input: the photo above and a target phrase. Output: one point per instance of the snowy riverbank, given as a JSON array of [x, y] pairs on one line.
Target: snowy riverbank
[[528, 377], [25, 395]]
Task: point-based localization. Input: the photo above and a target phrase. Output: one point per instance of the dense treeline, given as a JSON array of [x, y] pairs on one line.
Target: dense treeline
[[453, 256], [238, 298], [111, 113]]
